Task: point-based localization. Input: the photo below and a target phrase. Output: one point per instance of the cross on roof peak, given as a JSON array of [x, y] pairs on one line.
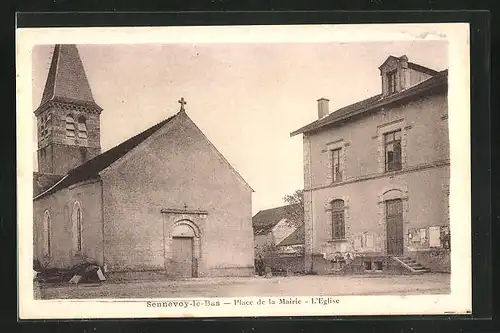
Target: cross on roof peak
[[182, 102]]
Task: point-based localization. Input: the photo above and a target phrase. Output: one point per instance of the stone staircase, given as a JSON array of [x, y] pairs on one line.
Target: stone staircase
[[373, 264], [412, 265]]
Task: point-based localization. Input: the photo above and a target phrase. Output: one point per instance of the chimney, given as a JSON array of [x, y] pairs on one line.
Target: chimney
[[322, 107], [404, 76]]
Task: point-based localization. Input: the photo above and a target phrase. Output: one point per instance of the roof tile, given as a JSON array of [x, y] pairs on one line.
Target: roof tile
[[265, 220], [295, 238], [67, 80], [375, 102]]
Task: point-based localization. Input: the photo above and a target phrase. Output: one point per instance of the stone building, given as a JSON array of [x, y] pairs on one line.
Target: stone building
[[272, 226], [163, 200], [376, 177], [294, 243], [279, 238]]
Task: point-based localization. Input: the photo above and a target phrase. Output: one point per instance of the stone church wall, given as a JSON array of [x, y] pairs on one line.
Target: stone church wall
[[61, 206], [176, 169]]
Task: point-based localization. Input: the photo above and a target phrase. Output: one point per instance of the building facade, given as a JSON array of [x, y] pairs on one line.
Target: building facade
[[164, 200], [272, 226], [293, 244], [376, 175], [279, 238]]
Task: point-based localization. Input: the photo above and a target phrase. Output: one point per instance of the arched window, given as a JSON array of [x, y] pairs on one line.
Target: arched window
[[338, 221], [77, 227], [82, 128], [46, 234], [70, 126]]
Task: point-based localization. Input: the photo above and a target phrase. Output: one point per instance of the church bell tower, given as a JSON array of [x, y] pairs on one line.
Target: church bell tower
[[68, 118]]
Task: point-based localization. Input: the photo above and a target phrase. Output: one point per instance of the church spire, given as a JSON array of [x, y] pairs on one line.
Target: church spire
[[68, 118], [66, 80]]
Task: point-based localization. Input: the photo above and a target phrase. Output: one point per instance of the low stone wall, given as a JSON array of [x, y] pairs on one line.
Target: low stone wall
[[229, 272], [320, 265], [136, 276], [285, 263], [154, 275]]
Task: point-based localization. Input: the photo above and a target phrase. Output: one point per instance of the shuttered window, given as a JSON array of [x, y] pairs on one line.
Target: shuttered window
[[70, 126], [82, 128]]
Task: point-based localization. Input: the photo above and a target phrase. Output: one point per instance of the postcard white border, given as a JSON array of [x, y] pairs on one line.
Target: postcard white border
[[457, 35]]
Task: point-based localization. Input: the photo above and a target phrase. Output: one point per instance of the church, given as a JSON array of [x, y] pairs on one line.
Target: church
[[164, 200]]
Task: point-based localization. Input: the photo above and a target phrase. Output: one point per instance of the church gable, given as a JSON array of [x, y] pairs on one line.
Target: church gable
[[178, 147], [219, 155], [175, 175], [121, 153]]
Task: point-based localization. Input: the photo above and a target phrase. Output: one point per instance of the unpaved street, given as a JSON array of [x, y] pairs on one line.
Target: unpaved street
[[257, 286]]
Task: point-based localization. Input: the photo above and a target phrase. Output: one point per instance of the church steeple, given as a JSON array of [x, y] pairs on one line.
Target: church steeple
[[67, 80], [68, 118]]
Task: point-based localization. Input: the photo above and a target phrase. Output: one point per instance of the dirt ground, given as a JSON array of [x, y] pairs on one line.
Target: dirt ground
[[310, 285]]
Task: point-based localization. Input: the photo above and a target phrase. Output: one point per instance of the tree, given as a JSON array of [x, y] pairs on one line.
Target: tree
[[295, 207]]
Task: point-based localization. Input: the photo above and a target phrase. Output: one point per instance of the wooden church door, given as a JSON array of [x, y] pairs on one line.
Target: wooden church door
[[394, 219], [182, 248]]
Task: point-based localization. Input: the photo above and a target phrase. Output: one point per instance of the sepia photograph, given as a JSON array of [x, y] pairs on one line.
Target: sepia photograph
[[214, 177]]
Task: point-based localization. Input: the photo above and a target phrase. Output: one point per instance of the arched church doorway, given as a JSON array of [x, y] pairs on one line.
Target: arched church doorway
[[184, 261]]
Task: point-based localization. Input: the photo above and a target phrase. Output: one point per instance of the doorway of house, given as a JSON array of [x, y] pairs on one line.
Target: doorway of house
[[182, 256], [394, 220]]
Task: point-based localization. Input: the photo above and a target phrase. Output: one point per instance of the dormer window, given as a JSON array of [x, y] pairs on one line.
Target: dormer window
[[398, 74], [391, 82], [395, 75]]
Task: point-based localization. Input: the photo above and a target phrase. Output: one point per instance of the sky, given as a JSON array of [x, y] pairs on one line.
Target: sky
[[246, 98]]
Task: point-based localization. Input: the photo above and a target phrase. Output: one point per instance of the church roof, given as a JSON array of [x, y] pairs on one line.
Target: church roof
[[426, 87], [91, 168], [67, 80], [43, 181], [266, 219], [295, 238]]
